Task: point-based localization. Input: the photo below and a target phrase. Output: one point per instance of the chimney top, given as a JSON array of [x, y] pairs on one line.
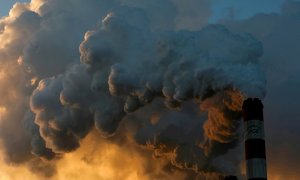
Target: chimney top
[[252, 103]]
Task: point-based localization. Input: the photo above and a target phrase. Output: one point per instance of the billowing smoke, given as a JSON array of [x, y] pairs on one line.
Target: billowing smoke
[[144, 80], [281, 64]]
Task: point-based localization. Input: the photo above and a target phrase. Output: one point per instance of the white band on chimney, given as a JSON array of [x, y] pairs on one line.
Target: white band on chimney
[[256, 168], [254, 129]]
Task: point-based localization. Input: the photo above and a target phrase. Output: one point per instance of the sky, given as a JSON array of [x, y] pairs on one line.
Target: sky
[[220, 8], [243, 9], [138, 89], [6, 5]]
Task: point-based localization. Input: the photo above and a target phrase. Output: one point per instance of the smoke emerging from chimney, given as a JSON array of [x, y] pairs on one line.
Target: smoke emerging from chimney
[[141, 83]]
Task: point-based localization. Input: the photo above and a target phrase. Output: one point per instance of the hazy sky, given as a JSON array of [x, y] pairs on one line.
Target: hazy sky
[[240, 8], [5, 5]]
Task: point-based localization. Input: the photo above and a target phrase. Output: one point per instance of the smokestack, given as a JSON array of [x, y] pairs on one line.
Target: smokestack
[[255, 150]]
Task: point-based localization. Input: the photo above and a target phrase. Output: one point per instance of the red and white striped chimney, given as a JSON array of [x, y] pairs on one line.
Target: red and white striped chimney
[[255, 150]]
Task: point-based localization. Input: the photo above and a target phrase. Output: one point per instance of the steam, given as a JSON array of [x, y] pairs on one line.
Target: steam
[[138, 80]]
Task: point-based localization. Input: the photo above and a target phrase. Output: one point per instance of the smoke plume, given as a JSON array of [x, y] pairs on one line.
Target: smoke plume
[[281, 64], [151, 86]]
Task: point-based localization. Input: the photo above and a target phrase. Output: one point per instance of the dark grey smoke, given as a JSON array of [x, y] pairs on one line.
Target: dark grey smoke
[[279, 32], [179, 91], [125, 68]]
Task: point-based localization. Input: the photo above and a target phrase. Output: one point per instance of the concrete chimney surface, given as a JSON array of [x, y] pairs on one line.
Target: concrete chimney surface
[[255, 151]]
